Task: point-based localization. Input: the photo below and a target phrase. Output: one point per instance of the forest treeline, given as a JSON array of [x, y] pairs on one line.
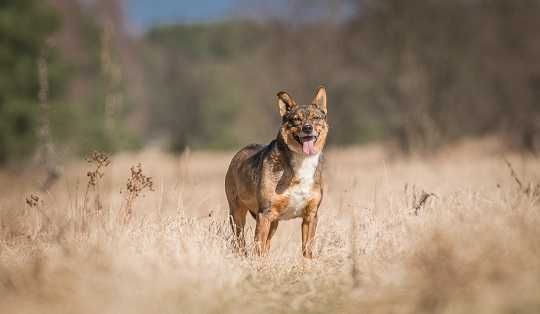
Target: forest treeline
[[419, 73]]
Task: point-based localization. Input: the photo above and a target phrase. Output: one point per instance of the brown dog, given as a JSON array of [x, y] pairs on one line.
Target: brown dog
[[281, 180]]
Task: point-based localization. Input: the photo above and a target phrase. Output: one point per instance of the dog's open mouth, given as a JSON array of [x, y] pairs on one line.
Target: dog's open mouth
[[307, 143]]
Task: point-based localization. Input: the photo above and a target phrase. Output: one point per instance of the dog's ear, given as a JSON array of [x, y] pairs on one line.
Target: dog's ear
[[285, 103], [320, 98]]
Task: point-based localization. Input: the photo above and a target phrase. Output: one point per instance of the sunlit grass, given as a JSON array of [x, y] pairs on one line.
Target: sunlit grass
[[471, 247]]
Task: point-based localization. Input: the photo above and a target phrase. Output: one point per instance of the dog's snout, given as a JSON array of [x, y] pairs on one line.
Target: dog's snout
[[307, 128]]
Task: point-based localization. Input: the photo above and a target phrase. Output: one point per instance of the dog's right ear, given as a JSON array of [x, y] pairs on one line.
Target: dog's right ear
[[285, 103]]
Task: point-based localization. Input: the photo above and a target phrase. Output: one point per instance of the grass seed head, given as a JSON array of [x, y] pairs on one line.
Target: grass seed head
[[138, 181], [32, 200], [101, 161]]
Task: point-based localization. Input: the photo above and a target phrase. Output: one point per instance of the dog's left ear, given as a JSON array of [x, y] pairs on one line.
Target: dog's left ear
[[320, 98]]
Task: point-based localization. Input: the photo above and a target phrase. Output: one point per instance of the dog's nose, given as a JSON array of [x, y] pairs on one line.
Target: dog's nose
[[307, 128]]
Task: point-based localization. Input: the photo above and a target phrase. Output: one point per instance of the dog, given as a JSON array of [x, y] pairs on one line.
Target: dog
[[281, 180]]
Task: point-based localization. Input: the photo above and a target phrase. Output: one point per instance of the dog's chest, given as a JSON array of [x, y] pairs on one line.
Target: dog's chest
[[299, 193]]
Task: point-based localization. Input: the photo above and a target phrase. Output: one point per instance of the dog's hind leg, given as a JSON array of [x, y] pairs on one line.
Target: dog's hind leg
[[237, 217]]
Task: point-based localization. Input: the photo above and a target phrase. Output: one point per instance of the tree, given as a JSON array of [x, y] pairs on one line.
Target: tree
[[25, 26]]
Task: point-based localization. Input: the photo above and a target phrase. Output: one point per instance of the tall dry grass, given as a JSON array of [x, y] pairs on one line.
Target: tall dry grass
[[383, 246]]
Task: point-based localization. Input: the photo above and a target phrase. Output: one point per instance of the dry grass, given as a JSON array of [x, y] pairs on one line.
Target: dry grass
[[472, 247]]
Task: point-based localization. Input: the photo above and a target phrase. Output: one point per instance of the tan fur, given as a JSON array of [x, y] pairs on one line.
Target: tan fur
[[279, 181]]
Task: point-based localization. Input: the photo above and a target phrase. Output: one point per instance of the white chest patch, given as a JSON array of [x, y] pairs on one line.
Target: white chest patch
[[300, 193]]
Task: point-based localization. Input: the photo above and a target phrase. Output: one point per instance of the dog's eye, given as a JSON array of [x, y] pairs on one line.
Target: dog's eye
[[295, 120]]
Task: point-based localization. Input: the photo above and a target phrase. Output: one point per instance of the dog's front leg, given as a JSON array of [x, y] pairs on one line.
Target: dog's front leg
[[264, 220], [309, 225]]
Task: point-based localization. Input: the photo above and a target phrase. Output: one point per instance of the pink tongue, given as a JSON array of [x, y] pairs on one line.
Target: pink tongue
[[308, 148]]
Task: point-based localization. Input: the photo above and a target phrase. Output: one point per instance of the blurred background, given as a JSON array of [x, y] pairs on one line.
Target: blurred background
[[110, 75]]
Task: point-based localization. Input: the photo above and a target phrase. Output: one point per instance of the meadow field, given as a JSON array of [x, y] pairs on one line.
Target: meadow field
[[456, 231]]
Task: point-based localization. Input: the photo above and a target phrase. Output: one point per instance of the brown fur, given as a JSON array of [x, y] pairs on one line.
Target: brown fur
[[279, 181]]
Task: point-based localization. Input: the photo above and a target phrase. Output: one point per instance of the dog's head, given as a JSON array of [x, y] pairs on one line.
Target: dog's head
[[304, 128]]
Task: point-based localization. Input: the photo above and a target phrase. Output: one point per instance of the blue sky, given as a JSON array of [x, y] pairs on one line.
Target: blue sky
[[143, 13]]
